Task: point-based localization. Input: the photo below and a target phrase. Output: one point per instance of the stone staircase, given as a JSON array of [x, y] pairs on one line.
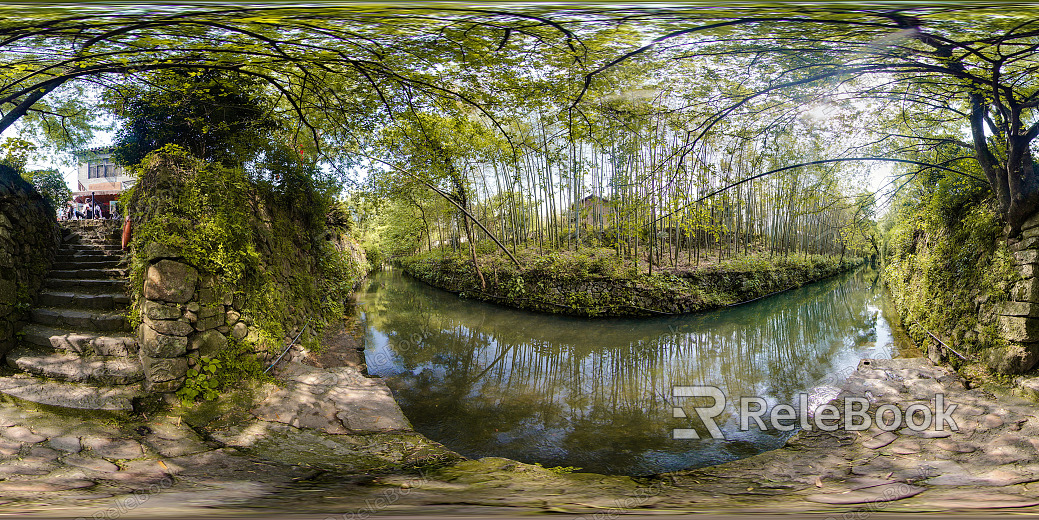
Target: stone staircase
[[77, 350]]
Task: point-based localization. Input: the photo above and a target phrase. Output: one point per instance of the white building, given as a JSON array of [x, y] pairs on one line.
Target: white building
[[101, 178]]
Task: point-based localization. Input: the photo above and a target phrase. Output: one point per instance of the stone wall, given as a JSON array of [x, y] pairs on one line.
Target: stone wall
[[29, 237], [1018, 318]]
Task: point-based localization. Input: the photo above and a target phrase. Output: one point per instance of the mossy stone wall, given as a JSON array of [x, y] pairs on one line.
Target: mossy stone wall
[[29, 238]]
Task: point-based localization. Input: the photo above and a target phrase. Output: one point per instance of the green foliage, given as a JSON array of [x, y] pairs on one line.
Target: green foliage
[[559, 470], [217, 115], [15, 153], [214, 374], [266, 243], [51, 185], [944, 242]]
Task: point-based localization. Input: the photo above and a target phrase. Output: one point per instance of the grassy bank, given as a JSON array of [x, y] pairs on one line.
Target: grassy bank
[[594, 282]]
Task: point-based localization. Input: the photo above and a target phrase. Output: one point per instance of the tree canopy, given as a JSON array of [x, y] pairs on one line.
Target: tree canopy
[[891, 83]]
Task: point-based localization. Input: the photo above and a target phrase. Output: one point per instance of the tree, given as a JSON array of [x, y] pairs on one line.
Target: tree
[[925, 65], [216, 115], [51, 185]]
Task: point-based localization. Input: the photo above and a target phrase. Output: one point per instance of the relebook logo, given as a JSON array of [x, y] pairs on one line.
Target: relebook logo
[[854, 414]]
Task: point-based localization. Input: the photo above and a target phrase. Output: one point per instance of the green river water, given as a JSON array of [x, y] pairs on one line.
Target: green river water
[[486, 380]]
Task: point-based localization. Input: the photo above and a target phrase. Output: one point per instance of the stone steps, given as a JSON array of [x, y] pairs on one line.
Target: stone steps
[[91, 246], [81, 300], [79, 319], [95, 286], [76, 352], [86, 262], [70, 395], [112, 370], [79, 342], [88, 273]]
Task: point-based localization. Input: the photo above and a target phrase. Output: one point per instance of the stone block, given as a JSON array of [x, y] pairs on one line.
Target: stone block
[[210, 323], [156, 250], [158, 370], [156, 345], [232, 317], [1026, 290], [160, 311], [1031, 242], [210, 310], [1020, 309], [1028, 270], [179, 327], [208, 343], [1027, 256], [164, 386], [193, 307], [1019, 328], [1014, 358], [170, 281], [1031, 223]]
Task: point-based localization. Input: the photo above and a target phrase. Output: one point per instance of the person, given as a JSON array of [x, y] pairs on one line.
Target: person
[[97, 211]]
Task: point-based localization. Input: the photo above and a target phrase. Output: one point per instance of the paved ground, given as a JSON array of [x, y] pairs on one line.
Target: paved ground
[[308, 447]]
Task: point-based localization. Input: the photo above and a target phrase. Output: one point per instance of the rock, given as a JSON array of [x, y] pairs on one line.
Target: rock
[[160, 311], [208, 343], [239, 331], [210, 323], [954, 446], [66, 443], [179, 327], [40, 486], [879, 441], [158, 370], [22, 434], [110, 448], [232, 317], [882, 493], [170, 281], [158, 345], [92, 464], [1019, 328], [991, 421]]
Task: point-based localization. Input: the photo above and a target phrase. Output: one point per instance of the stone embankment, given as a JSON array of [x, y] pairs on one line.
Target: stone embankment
[[560, 288]]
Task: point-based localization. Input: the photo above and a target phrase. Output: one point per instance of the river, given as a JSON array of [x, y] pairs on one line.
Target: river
[[595, 394]]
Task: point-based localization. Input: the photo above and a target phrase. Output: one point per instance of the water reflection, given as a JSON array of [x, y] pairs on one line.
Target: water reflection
[[487, 380]]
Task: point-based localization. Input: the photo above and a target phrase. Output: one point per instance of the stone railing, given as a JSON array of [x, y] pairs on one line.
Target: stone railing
[[29, 237]]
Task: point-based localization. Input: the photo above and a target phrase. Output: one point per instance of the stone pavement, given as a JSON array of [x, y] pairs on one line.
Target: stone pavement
[[310, 446]]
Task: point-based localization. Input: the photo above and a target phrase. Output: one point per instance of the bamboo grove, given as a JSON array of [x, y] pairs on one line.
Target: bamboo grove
[[628, 178]]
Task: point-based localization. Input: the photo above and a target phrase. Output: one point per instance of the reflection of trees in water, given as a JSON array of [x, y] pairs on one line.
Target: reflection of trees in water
[[492, 380]]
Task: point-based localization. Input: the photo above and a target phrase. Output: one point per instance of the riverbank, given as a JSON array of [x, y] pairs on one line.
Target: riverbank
[[593, 283], [271, 456]]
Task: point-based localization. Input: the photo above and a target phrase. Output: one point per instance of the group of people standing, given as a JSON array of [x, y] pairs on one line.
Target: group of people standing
[[91, 210]]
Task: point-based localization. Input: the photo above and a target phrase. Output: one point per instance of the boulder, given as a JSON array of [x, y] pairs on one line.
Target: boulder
[[156, 345], [208, 343], [170, 281], [158, 370]]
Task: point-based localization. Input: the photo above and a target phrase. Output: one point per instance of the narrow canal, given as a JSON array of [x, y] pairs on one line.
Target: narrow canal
[[595, 394]]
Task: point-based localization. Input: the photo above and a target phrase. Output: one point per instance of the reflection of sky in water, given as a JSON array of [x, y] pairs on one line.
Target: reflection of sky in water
[[486, 380]]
